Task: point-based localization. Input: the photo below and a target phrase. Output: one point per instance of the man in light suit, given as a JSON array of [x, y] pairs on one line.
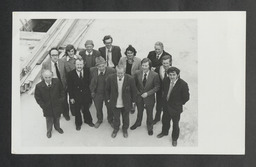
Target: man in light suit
[[49, 94], [57, 66], [89, 54], [121, 93], [110, 53], [99, 75], [175, 95], [147, 83], [131, 63]]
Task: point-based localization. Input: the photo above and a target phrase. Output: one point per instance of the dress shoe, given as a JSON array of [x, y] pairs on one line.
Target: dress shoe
[[49, 134], [97, 124], [174, 143], [67, 118], [150, 132], [60, 131], [134, 126], [78, 127], [91, 124], [125, 134], [160, 135], [113, 135]]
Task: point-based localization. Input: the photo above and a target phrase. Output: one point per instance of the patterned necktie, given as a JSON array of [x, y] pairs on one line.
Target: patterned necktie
[[169, 91], [57, 71], [144, 79]]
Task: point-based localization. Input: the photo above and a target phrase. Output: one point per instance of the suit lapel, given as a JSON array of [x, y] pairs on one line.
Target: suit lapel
[[140, 77], [124, 83], [115, 83], [175, 86], [149, 78]]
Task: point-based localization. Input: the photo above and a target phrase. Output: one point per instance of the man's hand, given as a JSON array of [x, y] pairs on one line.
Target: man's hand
[[144, 95], [72, 101]]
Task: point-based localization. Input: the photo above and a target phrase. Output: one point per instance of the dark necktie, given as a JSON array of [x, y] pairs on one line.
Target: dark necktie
[[57, 71], [169, 91], [157, 57], [49, 85], [81, 76], [165, 74], [101, 73], [144, 79]]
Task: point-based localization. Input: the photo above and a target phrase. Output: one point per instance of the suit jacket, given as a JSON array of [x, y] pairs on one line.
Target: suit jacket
[[50, 99], [61, 66], [178, 97], [89, 61], [116, 54], [129, 91], [156, 62], [70, 65], [94, 77], [151, 87], [136, 65], [79, 89]]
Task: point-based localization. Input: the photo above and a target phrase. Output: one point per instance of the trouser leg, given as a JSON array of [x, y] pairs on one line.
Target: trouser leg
[[65, 106], [149, 110], [98, 102], [116, 121], [140, 108], [56, 122], [49, 124], [109, 112], [78, 117], [175, 128], [166, 121], [86, 114], [159, 105], [125, 117]]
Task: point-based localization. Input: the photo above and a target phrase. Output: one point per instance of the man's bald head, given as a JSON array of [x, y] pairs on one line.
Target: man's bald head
[[47, 76]]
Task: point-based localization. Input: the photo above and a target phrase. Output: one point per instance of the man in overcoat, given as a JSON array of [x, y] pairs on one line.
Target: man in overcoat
[[49, 94]]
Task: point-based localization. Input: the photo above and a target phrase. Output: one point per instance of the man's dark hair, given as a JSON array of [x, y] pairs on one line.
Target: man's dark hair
[[52, 50], [173, 69], [106, 38], [166, 57], [130, 48], [69, 48], [145, 60]]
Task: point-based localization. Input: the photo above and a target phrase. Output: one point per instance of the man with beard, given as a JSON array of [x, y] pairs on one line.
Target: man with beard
[[79, 93]]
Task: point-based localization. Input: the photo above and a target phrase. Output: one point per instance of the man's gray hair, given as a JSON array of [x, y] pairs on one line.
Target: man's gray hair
[[160, 44]]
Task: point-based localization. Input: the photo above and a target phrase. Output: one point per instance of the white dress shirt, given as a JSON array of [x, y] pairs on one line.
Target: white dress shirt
[[54, 69], [109, 57]]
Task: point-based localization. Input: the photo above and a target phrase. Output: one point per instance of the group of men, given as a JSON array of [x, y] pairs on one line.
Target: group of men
[[73, 82]]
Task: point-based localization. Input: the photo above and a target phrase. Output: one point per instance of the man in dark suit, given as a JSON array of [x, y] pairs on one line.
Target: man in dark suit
[[110, 53], [89, 54], [57, 66], [156, 55], [175, 95], [99, 76], [121, 94], [147, 83], [162, 71], [79, 93], [49, 94]]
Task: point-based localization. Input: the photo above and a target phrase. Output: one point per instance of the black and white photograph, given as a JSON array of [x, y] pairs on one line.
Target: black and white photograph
[[128, 83]]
